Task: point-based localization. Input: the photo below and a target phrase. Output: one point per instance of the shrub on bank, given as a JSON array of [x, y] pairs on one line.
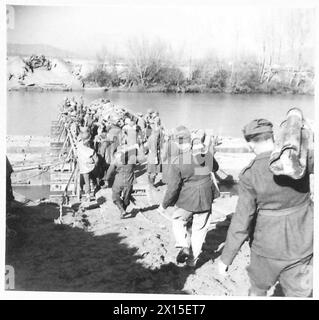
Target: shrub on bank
[[195, 88], [218, 82], [170, 77], [246, 79], [103, 78]]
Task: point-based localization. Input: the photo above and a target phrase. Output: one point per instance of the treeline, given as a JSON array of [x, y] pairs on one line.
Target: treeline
[[154, 66], [245, 77]]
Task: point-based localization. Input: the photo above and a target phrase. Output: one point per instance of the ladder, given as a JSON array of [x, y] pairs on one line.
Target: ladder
[[64, 177]]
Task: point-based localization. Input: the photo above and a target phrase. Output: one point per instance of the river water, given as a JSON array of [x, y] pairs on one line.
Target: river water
[[30, 113]]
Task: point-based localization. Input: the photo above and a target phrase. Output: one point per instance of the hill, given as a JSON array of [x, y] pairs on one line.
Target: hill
[[14, 49]]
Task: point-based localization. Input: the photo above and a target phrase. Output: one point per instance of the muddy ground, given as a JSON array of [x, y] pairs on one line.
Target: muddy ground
[[96, 251]]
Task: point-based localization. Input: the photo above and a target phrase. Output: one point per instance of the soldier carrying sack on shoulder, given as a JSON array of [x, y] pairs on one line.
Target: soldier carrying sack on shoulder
[[275, 212]]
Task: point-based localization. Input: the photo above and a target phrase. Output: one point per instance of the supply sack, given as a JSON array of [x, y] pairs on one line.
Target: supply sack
[[290, 154]]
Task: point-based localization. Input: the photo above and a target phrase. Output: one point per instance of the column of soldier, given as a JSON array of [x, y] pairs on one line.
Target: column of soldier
[[274, 211]]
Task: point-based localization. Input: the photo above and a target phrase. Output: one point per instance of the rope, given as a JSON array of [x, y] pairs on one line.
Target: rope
[[38, 174], [40, 166]]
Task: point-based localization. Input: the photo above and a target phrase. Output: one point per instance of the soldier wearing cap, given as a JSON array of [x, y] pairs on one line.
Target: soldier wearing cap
[[191, 191], [276, 214]]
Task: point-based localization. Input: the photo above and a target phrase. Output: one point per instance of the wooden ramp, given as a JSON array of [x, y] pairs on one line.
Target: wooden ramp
[[63, 176]]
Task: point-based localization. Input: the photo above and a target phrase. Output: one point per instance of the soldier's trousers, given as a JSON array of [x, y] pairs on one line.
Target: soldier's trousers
[[121, 194], [85, 179], [190, 229], [295, 277]]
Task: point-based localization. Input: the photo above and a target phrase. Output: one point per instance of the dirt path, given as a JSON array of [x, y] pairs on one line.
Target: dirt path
[[96, 251]]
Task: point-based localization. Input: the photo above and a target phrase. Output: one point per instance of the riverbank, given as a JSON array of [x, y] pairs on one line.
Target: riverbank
[[157, 89], [204, 89]]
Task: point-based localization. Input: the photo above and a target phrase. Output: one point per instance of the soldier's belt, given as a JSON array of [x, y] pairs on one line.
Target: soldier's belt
[[284, 212]]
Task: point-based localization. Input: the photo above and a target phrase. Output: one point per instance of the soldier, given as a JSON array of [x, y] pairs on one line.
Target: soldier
[[153, 156], [276, 213], [87, 161], [130, 132], [190, 189], [123, 169], [149, 121], [9, 191], [113, 138], [141, 121], [101, 144]]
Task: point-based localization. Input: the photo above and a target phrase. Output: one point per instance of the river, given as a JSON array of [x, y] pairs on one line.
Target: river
[[30, 113]]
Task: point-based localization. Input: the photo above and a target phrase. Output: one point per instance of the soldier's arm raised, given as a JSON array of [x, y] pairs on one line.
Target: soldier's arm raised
[[239, 228]]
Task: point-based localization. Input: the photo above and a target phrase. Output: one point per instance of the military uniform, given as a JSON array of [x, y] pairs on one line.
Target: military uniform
[[169, 151], [190, 190], [130, 133], [113, 140], [153, 163], [88, 164], [276, 213], [101, 146], [123, 182]]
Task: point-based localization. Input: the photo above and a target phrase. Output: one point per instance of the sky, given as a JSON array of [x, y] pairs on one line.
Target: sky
[[194, 30]]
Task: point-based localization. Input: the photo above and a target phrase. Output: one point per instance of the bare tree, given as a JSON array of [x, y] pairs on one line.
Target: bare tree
[[146, 58]]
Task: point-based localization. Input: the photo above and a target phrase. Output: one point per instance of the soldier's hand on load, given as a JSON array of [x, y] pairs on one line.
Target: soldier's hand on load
[[222, 267]]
